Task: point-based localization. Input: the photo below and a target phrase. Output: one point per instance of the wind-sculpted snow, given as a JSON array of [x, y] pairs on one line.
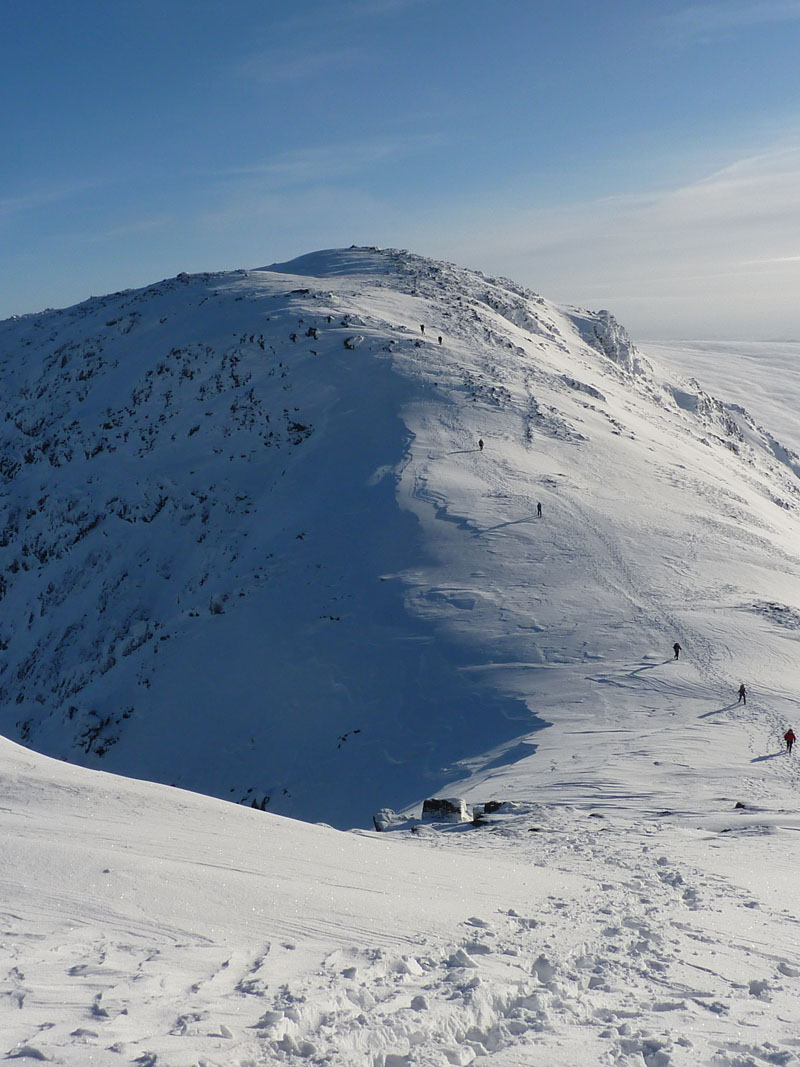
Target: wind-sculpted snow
[[250, 545], [602, 331]]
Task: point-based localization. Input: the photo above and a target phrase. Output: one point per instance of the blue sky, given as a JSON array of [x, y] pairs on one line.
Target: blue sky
[[639, 156]]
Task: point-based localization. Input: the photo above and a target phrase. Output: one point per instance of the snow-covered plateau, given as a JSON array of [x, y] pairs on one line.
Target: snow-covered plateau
[[346, 533]]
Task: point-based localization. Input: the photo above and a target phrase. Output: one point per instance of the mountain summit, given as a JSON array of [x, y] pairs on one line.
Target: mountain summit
[[353, 529]]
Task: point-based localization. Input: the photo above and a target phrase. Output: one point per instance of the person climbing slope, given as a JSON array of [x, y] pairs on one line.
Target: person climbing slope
[[790, 738], [742, 694], [676, 648]]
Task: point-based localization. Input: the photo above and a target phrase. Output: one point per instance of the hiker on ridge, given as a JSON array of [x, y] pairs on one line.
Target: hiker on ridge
[[676, 648], [742, 694], [789, 738]]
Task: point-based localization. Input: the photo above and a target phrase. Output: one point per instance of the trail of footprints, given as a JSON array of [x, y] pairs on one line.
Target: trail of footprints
[[507, 986], [629, 977]]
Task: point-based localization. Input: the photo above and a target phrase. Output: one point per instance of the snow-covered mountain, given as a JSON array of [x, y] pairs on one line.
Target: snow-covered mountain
[[250, 545]]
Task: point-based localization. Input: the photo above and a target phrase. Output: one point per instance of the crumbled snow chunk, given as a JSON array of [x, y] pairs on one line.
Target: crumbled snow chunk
[[408, 965], [461, 959], [544, 970], [759, 987]]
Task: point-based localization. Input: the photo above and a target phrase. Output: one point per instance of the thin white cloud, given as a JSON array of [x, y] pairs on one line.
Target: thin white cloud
[[133, 228], [42, 196], [367, 8], [325, 163], [720, 250], [307, 43], [725, 16], [299, 62], [318, 21]]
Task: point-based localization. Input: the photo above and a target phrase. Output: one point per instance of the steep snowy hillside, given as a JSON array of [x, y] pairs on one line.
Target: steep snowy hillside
[[251, 545], [758, 375]]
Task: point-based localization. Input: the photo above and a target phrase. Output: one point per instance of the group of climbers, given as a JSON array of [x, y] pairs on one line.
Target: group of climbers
[[789, 737]]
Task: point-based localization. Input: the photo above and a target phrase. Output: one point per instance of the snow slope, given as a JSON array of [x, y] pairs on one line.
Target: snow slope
[[146, 925], [290, 572]]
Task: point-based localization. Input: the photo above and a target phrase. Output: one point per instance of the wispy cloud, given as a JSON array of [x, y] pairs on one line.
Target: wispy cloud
[[42, 196], [308, 43], [726, 16], [326, 163], [722, 249], [366, 8], [294, 63], [132, 229]]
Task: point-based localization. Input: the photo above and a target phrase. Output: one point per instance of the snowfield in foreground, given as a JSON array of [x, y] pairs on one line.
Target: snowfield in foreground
[[146, 925], [252, 547]]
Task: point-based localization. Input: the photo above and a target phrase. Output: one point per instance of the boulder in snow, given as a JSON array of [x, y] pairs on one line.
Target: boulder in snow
[[481, 811], [448, 809]]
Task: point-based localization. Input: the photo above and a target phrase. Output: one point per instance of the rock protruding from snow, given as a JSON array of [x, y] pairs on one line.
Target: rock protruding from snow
[[446, 809], [602, 331]]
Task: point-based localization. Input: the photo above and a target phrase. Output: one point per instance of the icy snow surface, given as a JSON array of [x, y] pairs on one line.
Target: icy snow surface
[[250, 545]]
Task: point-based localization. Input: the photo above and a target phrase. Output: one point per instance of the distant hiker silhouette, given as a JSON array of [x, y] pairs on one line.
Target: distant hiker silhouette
[[789, 738], [422, 329], [480, 444], [538, 511], [676, 648], [440, 338], [742, 694]]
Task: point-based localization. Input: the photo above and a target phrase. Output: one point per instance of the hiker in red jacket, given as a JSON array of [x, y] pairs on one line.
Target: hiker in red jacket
[[789, 738]]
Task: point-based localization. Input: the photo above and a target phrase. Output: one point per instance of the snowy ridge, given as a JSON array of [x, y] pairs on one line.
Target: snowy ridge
[[223, 525]]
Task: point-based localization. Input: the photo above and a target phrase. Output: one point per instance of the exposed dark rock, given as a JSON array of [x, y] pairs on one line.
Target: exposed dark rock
[[448, 809]]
